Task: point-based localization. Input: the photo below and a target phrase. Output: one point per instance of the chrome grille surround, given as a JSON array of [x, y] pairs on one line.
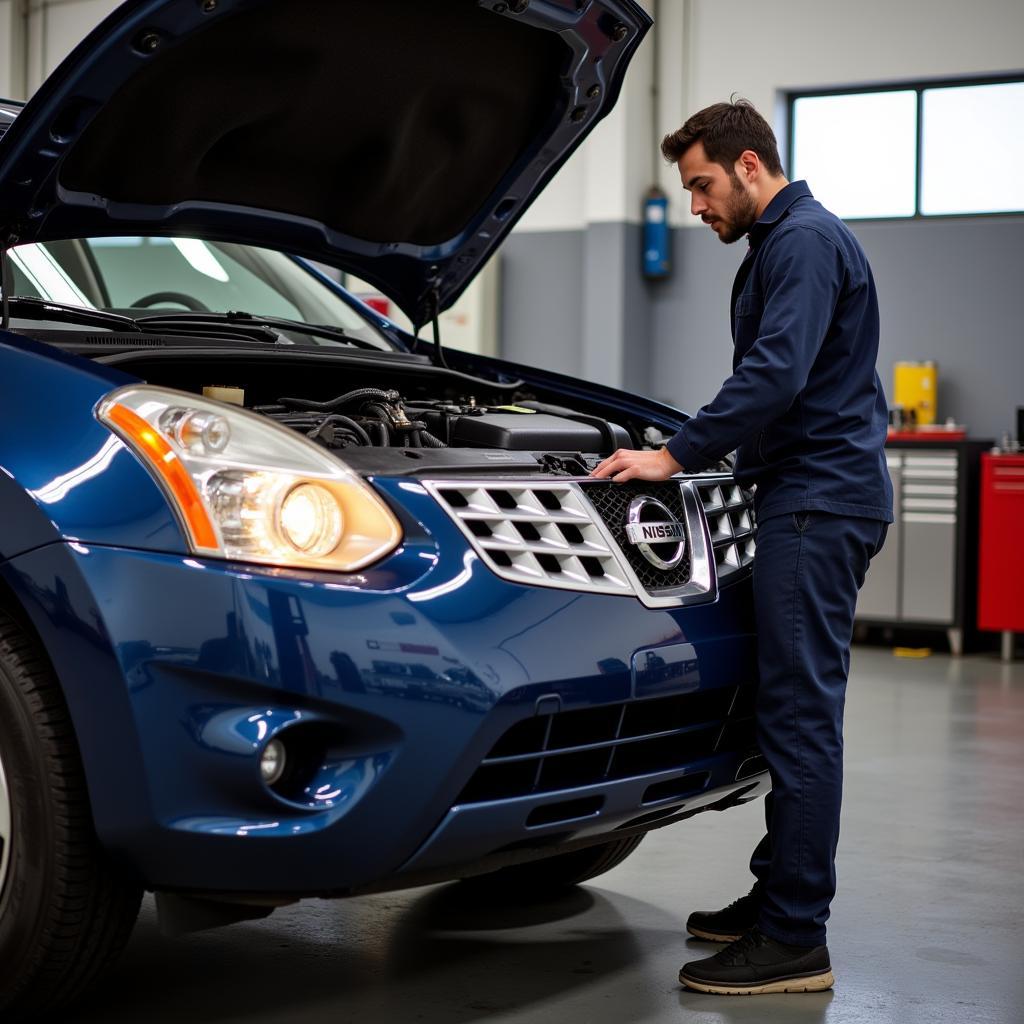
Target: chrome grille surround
[[547, 534]]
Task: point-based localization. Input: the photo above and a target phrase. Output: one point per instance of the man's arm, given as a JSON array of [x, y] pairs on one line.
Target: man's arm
[[803, 283]]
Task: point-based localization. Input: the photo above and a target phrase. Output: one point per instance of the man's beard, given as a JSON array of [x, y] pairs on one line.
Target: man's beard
[[740, 213]]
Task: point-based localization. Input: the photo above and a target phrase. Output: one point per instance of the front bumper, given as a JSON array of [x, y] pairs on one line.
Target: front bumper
[[177, 672]]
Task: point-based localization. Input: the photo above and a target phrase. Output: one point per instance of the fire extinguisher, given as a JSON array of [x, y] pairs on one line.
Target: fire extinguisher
[[657, 259]]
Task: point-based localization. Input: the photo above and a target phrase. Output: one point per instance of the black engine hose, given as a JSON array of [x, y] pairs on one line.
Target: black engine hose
[[429, 441], [337, 403], [345, 421]]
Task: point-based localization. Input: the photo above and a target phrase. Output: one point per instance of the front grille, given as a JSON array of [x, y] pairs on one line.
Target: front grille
[[612, 502], [589, 746], [572, 533], [540, 534], [729, 510]]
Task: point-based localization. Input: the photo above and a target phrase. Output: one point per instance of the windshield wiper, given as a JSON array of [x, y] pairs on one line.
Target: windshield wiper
[[26, 308], [250, 320], [226, 326]]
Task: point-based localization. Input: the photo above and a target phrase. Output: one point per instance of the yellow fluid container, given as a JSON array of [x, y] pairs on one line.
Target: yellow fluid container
[[915, 386]]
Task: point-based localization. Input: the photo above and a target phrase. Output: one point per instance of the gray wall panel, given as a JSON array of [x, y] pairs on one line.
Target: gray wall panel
[[603, 302], [638, 367], [561, 287], [948, 290], [541, 298], [691, 349]]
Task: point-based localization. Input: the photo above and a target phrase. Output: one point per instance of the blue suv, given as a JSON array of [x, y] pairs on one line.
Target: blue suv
[[294, 603]]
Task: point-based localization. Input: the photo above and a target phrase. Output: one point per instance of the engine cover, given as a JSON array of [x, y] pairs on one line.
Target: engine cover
[[531, 432]]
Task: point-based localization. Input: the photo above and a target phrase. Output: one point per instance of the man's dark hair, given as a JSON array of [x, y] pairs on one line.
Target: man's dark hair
[[726, 129]]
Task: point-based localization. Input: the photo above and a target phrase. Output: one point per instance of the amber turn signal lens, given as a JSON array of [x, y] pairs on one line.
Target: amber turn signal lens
[[169, 470]]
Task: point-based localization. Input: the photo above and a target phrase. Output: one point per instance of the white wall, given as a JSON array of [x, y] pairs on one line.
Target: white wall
[[606, 178], [36, 35], [55, 27], [11, 51], [709, 49]]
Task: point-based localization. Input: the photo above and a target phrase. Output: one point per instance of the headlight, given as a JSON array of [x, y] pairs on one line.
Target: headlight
[[249, 489]]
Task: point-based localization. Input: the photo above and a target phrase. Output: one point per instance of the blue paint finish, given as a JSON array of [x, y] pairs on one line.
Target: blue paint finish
[[59, 466], [413, 677], [390, 684], [672, 668], [683, 668]]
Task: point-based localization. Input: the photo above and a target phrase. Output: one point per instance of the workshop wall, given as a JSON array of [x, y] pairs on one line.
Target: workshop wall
[[35, 37], [11, 52], [946, 291], [947, 288]]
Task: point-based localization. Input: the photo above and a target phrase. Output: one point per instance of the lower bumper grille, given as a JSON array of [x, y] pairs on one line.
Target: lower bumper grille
[[586, 747]]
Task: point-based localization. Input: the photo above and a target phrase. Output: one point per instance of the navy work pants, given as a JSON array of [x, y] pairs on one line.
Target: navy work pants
[[807, 571]]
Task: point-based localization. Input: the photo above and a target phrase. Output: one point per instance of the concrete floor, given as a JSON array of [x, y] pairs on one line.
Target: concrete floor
[[924, 928]]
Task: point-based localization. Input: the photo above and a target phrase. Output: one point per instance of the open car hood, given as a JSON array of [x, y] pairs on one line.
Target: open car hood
[[397, 139]]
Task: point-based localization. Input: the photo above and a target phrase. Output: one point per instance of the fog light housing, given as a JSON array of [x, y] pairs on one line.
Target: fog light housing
[[272, 762]]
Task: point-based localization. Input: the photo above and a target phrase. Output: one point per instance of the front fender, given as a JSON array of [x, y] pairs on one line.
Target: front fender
[[63, 474]]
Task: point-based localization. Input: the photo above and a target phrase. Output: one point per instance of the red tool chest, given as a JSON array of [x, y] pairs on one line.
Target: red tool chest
[[1001, 556]]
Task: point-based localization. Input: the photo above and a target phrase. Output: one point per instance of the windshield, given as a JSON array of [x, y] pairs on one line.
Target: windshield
[[141, 276]]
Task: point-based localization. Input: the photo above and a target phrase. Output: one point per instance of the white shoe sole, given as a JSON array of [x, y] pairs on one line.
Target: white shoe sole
[[711, 936], [812, 983]]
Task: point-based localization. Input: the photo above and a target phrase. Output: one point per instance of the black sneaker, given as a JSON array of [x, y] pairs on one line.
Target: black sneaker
[[725, 925], [755, 964]]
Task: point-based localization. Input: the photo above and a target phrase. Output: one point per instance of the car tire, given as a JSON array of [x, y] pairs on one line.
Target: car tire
[[541, 877], [65, 912]]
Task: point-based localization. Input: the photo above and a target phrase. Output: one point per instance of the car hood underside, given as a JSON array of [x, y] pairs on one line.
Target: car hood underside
[[395, 138]]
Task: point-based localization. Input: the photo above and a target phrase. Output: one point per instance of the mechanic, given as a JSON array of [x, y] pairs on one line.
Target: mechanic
[[805, 412]]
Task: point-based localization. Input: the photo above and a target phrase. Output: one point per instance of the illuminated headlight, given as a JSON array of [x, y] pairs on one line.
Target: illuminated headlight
[[310, 519], [272, 762], [246, 488]]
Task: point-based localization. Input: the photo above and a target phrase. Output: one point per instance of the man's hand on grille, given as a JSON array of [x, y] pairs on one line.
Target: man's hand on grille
[[627, 464]]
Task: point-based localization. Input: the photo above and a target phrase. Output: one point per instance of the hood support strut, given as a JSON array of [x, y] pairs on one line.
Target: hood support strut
[[6, 282]]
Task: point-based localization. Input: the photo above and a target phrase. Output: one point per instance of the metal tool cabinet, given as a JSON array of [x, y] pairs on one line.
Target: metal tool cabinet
[[1001, 569], [926, 575]]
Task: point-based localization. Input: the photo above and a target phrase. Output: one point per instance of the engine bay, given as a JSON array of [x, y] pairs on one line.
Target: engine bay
[[374, 417], [404, 416]]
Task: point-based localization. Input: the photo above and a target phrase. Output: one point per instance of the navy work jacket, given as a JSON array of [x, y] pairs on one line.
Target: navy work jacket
[[804, 408]]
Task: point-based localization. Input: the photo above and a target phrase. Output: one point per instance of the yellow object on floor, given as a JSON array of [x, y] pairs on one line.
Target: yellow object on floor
[[912, 652]]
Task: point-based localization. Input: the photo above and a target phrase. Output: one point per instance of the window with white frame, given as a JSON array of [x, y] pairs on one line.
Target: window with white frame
[[920, 150]]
